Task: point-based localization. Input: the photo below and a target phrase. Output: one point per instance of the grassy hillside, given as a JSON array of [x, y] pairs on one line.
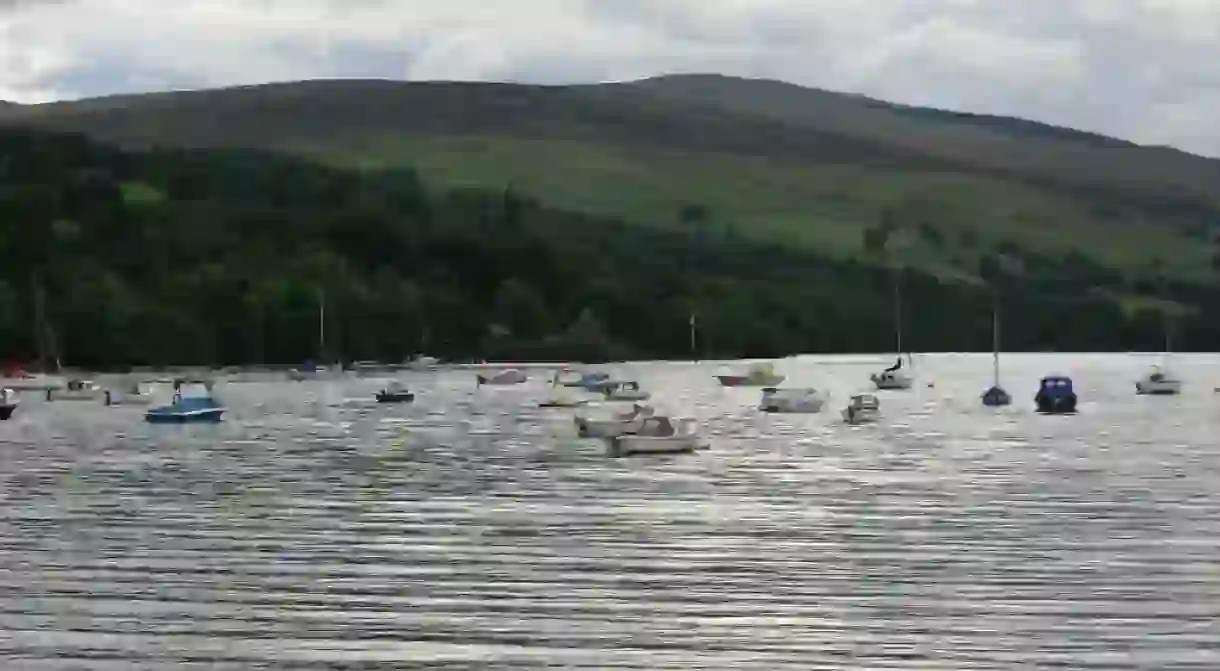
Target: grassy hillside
[[772, 161]]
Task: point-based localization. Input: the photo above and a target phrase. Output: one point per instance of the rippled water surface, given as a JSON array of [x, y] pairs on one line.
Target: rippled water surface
[[315, 530]]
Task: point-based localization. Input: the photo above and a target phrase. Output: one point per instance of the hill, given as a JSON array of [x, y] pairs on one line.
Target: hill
[[223, 255], [773, 161]]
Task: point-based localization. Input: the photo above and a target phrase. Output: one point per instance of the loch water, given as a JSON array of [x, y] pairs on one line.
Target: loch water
[[316, 529]]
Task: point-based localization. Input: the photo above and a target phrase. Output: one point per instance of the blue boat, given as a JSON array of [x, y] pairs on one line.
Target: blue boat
[[190, 409], [1055, 396]]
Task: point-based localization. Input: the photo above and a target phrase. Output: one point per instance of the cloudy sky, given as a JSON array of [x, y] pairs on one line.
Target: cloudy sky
[[1147, 70]]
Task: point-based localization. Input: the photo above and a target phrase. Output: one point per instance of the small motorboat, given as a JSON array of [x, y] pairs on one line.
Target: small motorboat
[[187, 410], [657, 435], [77, 390], [131, 394], [509, 376], [1158, 382], [8, 403], [625, 391], [395, 392], [892, 378], [862, 409], [758, 375], [806, 400], [590, 380], [1056, 396], [620, 423]]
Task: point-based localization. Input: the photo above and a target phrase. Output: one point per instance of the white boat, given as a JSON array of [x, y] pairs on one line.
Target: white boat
[[8, 402], [1159, 381], [562, 397], [894, 378], [505, 377], [131, 394], [792, 400], [77, 390], [862, 409], [620, 423], [421, 363], [657, 435], [626, 391], [996, 396], [758, 375]]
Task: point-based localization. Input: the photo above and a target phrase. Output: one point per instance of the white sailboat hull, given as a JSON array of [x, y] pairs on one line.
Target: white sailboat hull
[[1158, 387]]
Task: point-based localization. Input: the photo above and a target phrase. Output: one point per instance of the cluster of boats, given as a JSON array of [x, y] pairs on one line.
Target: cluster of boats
[[196, 407]]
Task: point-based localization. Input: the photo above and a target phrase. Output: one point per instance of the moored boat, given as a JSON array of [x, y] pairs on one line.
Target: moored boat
[[8, 403], [395, 392], [862, 409], [627, 390], [507, 377], [995, 396], [657, 435], [132, 393], [1158, 382], [758, 375], [77, 390], [624, 422], [807, 400], [192, 409], [1056, 396]]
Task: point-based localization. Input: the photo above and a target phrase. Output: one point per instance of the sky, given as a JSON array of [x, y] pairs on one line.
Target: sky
[[1144, 70]]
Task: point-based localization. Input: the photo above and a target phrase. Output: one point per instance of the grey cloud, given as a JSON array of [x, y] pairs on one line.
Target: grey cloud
[[1140, 69]]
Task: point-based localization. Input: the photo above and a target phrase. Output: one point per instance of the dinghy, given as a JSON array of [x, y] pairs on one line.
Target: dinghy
[[806, 400], [657, 435]]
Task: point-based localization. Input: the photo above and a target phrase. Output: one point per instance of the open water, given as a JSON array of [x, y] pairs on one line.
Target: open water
[[314, 529]]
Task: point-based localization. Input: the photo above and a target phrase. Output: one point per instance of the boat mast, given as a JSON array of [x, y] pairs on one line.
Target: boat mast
[[321, 324], [995, 343], [694, 355], [898, 316]]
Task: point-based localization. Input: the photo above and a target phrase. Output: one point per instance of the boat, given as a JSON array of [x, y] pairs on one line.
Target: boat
[[77, 390], [561, 396], [996, 396], [657, 435], [623, 422], [189, 409], [1159, 381], [862, 409], [8, 402], [804, 400], [758, 375], [423, 363], [308, 370], [894, 378], [131, 394], [626, 391], [509, 376], [1055, 395], [17, 379], [590, 380], [395, 392]]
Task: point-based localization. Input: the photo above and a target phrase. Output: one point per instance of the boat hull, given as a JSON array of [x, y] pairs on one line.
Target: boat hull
[[749, 381], [6, 411], [856, 416], [192, 417], [797, 401], [892, 382], [1056, 405], [628, 445], [628, 396], [996, 397], [1164, 388], [384, 397]]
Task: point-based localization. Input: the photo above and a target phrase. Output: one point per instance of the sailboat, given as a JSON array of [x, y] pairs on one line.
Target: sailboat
[[18, 379], [1159, 381], [893, 377], [996, 396], [310, 371]]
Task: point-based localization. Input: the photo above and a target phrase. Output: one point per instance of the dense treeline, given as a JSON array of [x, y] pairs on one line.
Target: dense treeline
[[224, 257]]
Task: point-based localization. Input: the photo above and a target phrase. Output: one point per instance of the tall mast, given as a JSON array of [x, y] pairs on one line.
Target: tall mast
[[693, 354], [995, 343], [321, 324], [897, 315]]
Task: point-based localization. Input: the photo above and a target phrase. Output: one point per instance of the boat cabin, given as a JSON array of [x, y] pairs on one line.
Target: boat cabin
[[1056, 385]]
